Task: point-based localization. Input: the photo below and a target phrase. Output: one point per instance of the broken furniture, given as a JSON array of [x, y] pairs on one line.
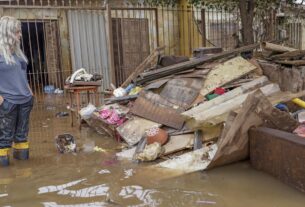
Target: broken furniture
[[75, 97]]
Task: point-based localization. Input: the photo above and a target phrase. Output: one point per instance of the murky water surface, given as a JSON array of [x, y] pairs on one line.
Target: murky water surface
[[92, 178]]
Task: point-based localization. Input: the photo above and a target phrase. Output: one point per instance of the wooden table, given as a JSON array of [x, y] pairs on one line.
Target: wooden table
[[75, 93]]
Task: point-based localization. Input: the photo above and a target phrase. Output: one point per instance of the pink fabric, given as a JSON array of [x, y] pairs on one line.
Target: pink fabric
[[111, 117], [300, 130], [105, 113]]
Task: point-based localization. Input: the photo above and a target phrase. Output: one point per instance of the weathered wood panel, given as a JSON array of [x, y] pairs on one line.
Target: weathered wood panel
[[225, 73], [280, 154]]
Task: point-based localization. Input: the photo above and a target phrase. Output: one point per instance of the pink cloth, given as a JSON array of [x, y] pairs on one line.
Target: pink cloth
[[105, 113], [300, 130], [111, 117]]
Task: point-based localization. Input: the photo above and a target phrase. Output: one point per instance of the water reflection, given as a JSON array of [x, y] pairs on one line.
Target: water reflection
[[128, 173], [96, 204], [104, 171], [144, 195], [3, 195], [93, 191], [52, 188]]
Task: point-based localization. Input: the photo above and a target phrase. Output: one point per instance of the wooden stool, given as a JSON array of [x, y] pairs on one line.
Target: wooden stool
[[74, 92]]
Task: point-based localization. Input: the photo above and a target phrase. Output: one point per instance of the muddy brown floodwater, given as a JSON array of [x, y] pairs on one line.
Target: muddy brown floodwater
[[91, 178]]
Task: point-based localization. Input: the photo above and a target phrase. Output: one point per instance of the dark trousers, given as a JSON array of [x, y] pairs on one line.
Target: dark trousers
[[14, 122]]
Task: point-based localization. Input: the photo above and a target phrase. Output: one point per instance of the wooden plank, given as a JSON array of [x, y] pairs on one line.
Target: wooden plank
[[163, 115], [134, 129], [233, 144], [191, 161], [289, 55], [178, 143], [276, 48], [198, 139], [218, 113], [292, 62], [140, 68], [225, 73], [166, 71], [120, 99], [227, 96], [274, 98]]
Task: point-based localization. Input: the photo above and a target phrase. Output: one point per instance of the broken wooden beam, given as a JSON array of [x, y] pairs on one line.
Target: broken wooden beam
[[140, 68], [218, 113], [120, 99], [276, 48], [289, 55], [166, 71], [291, 62], [246, 87]]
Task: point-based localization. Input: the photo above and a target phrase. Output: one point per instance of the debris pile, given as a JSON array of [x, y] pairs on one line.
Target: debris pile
[[196, 113]]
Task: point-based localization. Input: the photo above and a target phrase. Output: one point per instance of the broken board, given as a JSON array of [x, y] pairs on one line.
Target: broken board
[[148, 110], [133, 129], [192, 161], [226, 73], [177, 143]]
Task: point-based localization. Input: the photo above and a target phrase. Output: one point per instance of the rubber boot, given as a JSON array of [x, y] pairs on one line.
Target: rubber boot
[[21, 151], [4, 157]]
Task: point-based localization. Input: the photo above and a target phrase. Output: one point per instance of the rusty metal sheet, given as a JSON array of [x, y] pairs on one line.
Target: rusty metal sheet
[[280, 154], [160, 114], [160, 101], [182, 91]]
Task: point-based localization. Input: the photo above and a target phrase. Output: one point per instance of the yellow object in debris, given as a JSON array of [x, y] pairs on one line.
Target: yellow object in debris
[[23, 145], [99, 149], [4, 152], [299, 102], [135, 91]]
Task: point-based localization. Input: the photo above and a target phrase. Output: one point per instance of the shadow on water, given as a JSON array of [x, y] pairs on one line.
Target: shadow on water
[[89, 178]]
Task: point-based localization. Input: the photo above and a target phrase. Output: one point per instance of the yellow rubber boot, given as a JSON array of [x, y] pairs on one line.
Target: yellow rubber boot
[[21, 151], [4, 157]]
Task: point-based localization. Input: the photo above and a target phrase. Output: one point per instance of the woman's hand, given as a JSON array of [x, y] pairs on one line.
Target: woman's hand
[[1, 100]]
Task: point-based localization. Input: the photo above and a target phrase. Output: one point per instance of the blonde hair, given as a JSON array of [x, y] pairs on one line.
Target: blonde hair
[[9, 42]]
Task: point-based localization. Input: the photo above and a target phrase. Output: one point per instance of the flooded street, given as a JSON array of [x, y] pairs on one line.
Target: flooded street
[[91, 178]]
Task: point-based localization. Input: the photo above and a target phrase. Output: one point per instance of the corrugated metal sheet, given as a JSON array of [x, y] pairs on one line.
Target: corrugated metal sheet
[[88, 42]]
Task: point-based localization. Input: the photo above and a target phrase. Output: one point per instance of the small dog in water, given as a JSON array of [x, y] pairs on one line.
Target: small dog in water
[[65, 143]]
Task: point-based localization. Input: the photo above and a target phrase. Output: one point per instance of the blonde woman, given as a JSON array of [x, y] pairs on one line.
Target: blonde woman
[[16, 98]]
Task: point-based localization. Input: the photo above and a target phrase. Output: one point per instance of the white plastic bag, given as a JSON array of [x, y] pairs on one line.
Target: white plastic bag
[[86, 112], [119, 92]]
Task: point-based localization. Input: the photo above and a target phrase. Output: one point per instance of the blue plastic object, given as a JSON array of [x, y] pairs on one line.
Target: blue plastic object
[[282, 107], [49, 89], [129, 87]]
